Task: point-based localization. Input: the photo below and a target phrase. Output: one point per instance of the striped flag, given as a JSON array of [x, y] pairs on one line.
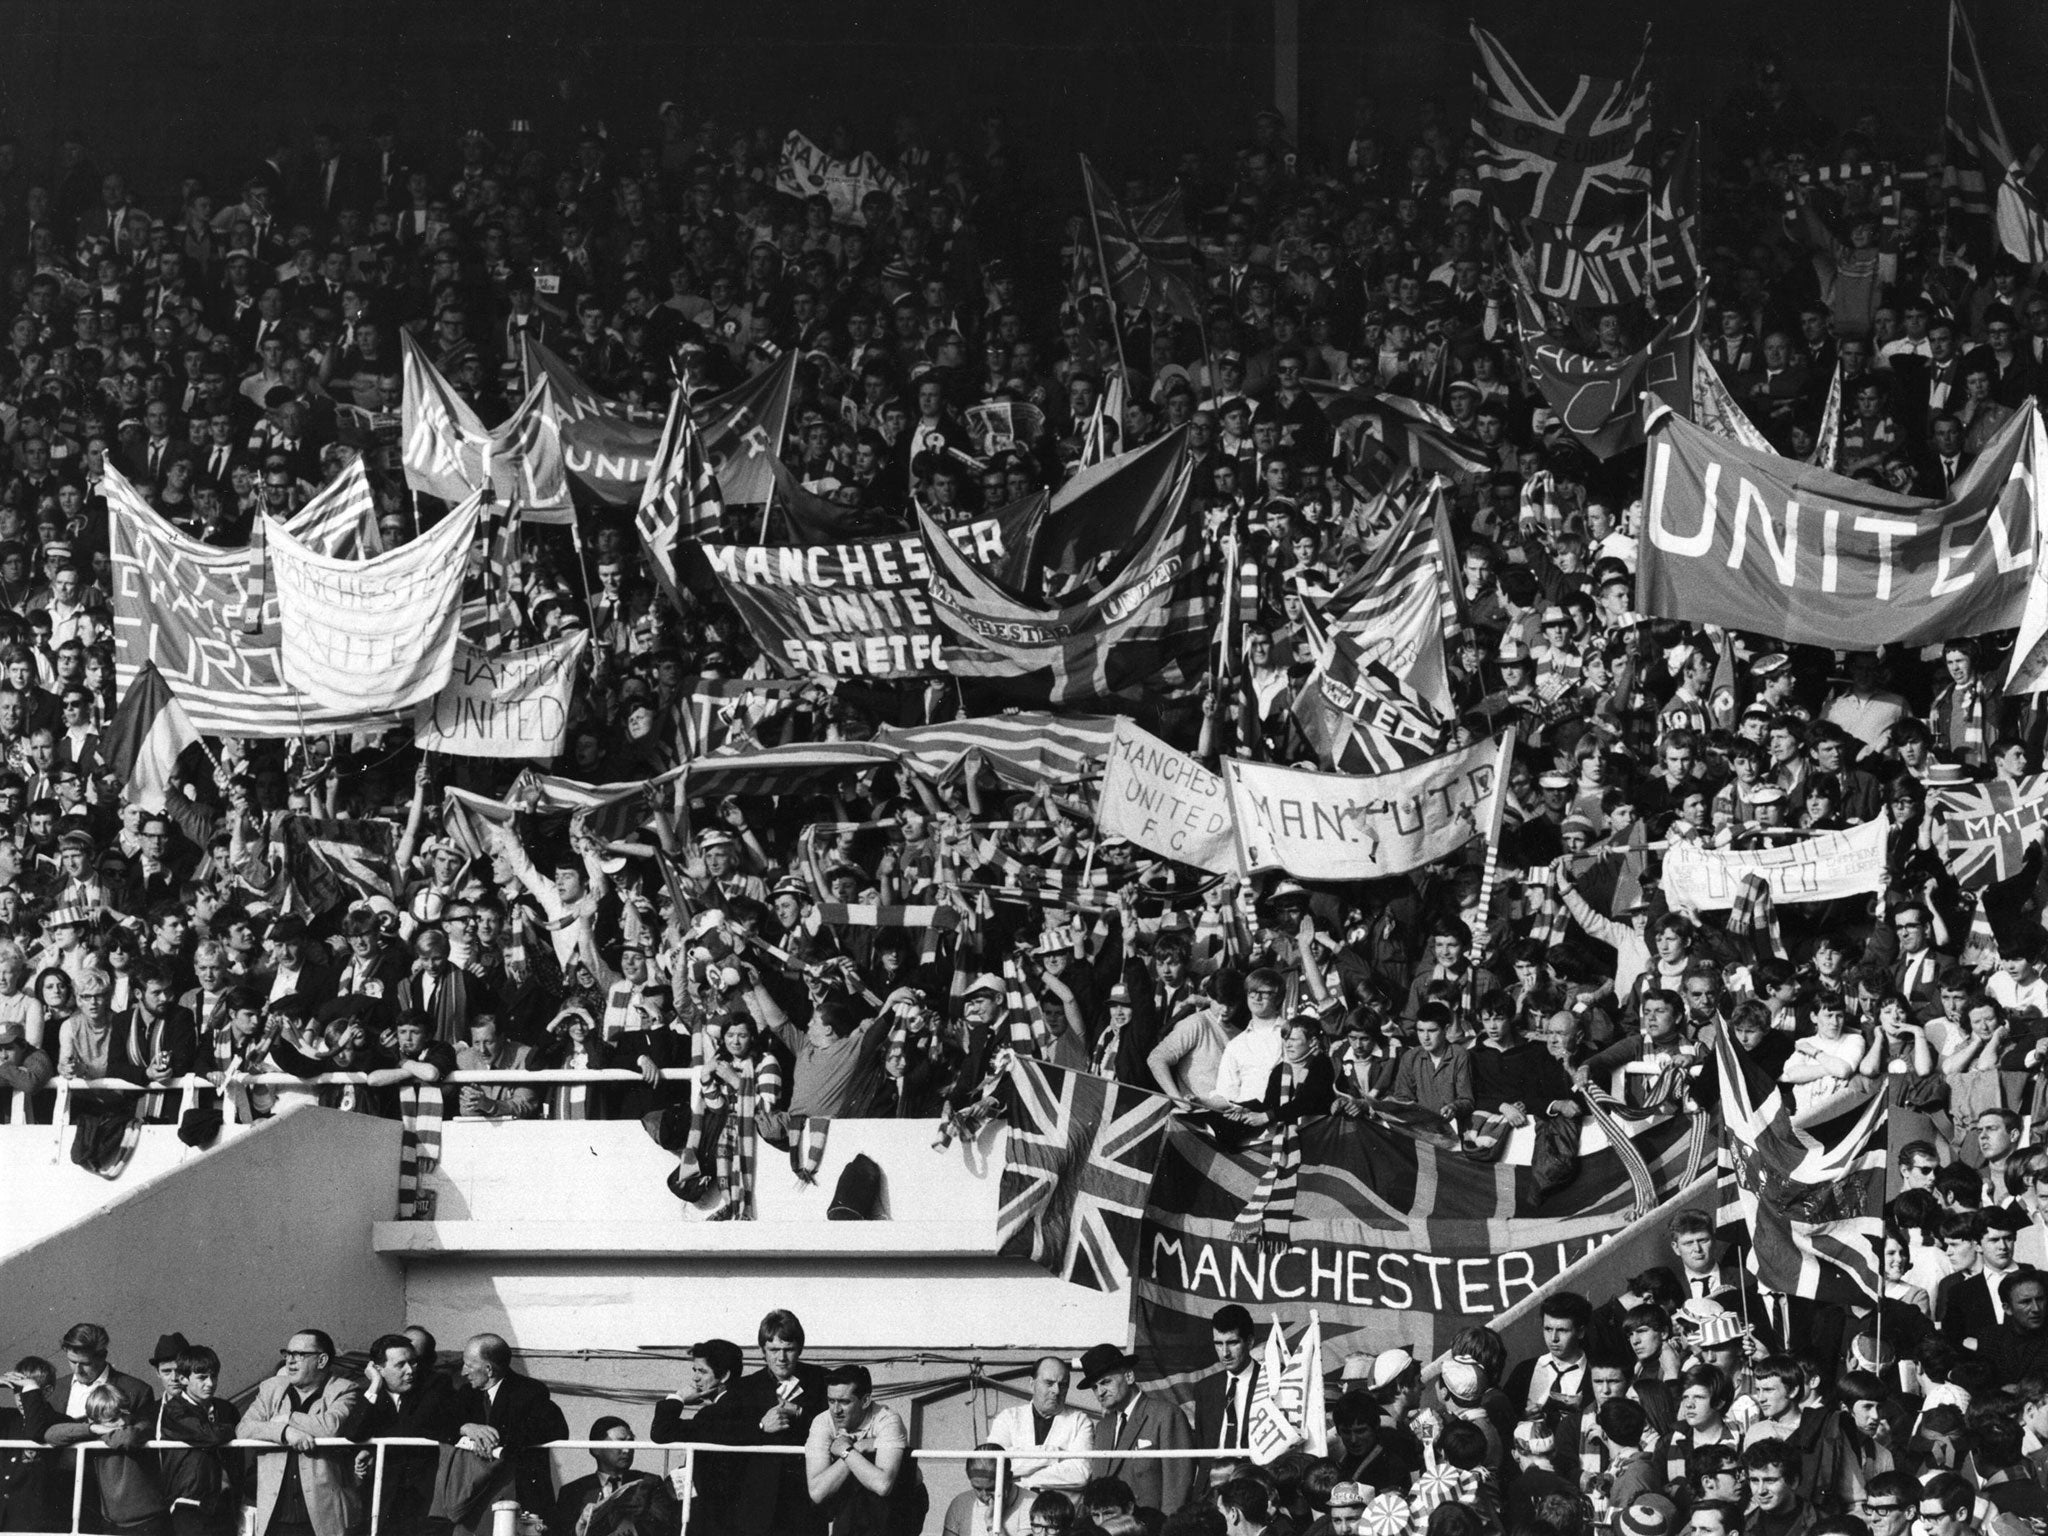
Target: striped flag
[[1151, 624], [1148, 261], [1714, 408], [1398, 605], [342, 519], [1361, 717], [1978, 150], [1024, 749], [448, 452], [1827, 442], [146, 735], [682, 497], [1811, 1190], [1387, 433]]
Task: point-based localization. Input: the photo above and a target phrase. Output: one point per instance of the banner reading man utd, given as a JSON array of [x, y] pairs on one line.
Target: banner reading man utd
[[1752, 541], [1333, 826]]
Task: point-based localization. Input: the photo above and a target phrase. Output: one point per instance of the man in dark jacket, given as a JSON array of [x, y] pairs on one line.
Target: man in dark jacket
[[403, 1401], [498, 1410], [775, 1406]]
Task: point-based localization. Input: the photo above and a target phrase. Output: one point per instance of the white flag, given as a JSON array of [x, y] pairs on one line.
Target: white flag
[[372, 635]]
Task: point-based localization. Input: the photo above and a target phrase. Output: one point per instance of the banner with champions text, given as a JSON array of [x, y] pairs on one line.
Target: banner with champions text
[[1337, 826], [1752, 541], [373, 634], [1823, 867], [1165, 801], [512, 704], [1396, 1241]]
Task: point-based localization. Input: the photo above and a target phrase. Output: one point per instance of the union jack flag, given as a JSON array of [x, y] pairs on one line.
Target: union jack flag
[[1811, 1194], [682, 497], [1988, 828], [1081, 1154], [1546, 160]]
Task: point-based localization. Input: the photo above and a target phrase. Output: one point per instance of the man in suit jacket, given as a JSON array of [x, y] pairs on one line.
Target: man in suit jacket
[[401, 1401], [498, 1410], [304, 1403], [452, 998], [775, 1405], [1967, 1304], [1561, 1375], [1223, 1401], [592, 1505], [1137, 1421]]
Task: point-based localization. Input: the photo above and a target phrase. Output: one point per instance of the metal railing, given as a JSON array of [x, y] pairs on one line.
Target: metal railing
[[684, 1487], [192, 1084]]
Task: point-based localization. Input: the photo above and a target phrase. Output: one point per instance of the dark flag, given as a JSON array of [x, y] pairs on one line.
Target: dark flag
[[1596, 397], [1581, 163], [1147, 258]]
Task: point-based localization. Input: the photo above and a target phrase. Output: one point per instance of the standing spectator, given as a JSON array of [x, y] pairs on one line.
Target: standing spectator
[[1131, 1420], [203, 1484], [776, 1405], [503, 1412], [715, 1417], [1045, 1426], [303, 1487], [857, 1462]]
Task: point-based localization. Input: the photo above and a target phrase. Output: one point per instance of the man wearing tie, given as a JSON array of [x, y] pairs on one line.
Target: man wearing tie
[[159, 448], [1947, 459], [1134, 1420], [401, 1401], [1561, 1374], [1223, 1401]]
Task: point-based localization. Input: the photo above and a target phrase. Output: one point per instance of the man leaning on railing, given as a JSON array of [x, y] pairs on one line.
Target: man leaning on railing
[[305, 1489]]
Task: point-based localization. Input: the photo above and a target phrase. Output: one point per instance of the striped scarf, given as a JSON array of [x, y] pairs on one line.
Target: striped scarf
[[1959, 722], [1608, 1113], [1548, 920], [1030, 1035], [1753, 915], [252, 609], [807, 1148], [934, 920], [421, 1107], [1541, 511], [737, 1151], [1268, 1220]]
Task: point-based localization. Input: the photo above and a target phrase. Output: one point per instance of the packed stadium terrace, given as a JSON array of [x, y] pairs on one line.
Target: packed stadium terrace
[[695, 626]]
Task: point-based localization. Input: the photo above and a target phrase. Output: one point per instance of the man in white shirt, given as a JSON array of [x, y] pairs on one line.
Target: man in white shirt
[[1046, 1425], [1249, 1060]]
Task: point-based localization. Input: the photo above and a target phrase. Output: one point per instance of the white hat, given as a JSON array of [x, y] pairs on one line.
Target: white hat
[[1463, 1378]]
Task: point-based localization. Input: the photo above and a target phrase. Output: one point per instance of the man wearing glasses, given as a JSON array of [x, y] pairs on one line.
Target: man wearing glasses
[[303, 1489], [1889, 1503]]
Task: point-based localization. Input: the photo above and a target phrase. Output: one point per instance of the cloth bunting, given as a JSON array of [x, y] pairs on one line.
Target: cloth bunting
[[1030, 1035], [1753, 915], [421, 1108], [1268, 1220], [807, 1148]]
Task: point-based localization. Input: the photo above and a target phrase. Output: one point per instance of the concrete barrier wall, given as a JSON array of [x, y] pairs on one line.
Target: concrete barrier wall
[[268, 1233]]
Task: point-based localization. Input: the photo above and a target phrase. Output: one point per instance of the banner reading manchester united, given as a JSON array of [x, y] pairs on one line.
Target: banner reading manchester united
[[1753, 541], [1337, 826], [1824, 867], [1165, 801], [1394, 1240], [855, 609]]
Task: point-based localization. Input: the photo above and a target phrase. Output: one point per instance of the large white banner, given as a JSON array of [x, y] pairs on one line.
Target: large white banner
[[1823, 867], [372, 634], [1165, 801], [1336, 826], [511, 705]]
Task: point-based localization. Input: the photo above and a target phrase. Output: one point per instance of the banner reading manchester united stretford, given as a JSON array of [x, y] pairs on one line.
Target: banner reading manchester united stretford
[[1753, 541], [853, 609]]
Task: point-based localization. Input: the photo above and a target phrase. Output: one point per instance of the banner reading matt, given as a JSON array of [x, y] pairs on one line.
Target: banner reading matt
[[372, 634], [1165, 801], [1752, 541], [1395, 1241], [1335, 826], [1824, 867], [515, 704]]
